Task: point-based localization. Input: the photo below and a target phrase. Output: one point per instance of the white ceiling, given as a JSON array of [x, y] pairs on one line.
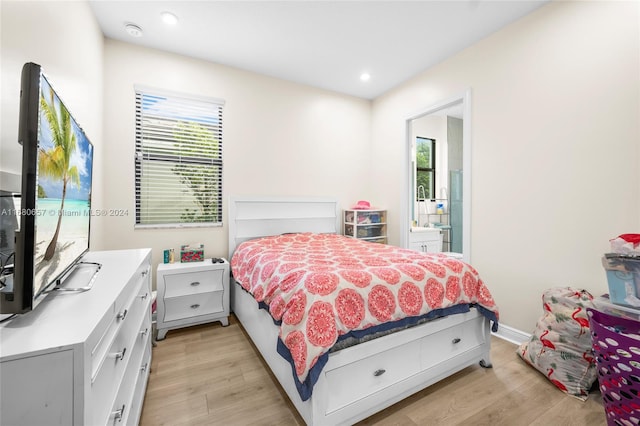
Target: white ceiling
[[325, 44]]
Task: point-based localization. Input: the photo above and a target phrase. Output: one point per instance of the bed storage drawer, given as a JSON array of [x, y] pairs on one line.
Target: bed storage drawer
[[450, 342], [354, 381], [350, 383]]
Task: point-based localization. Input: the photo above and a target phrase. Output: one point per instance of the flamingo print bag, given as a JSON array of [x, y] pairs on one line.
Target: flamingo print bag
[[560, 346]]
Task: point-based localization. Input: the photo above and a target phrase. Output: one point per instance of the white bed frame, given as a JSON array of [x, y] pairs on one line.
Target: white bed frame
[[363, 379]]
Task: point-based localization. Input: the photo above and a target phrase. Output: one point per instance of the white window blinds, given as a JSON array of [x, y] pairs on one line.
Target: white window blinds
[[178, 160]]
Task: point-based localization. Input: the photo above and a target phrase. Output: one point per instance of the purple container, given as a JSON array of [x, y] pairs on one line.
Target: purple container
[[616, 346]]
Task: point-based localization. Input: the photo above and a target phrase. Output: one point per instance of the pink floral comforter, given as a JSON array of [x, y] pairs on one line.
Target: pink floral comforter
[[322, 286]]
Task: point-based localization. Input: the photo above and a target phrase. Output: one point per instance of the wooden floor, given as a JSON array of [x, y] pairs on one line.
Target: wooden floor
[[213, 375]]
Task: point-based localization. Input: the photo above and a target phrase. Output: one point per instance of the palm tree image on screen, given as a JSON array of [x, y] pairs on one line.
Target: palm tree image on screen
[[55, 162]]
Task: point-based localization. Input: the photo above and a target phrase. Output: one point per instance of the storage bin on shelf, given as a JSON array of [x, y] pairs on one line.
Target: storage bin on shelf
[[362, 217], [370, 231], [616, 346], [623, 278], [367, 225]]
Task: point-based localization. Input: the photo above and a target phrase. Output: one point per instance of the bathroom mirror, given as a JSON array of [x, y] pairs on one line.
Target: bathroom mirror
[[438, 182]]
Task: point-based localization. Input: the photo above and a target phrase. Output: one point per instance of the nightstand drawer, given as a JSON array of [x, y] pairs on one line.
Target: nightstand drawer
[[187, 283], [193, 305]]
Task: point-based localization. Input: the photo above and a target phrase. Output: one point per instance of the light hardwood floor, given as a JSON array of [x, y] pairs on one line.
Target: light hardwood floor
[[213, 375]]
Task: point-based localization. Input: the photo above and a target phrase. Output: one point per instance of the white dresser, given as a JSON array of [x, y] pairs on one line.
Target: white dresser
[[82, 358], [192, 293]]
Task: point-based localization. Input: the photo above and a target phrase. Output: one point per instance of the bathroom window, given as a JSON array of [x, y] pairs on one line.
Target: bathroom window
[[178, 160], [425, 168]]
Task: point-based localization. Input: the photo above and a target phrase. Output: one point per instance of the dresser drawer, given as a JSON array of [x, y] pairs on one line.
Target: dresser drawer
[[133, 417], [193, 305], [182, 284], [134, 412], [123, 410], [354, 381], [133, 326], [112, 321], [105, 384]]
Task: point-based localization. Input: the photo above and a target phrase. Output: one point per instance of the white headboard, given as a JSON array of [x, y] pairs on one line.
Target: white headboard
[[253, 217]]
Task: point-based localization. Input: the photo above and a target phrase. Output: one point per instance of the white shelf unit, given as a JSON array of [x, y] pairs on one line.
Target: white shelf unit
[[369, 225], [191, 293], [82, 358]]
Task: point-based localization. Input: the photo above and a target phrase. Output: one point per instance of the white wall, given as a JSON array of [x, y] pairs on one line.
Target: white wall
[[280, 139], [64, 38], [555, 147]]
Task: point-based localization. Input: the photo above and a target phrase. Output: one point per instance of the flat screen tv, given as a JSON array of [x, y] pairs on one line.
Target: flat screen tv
[[55, 199]]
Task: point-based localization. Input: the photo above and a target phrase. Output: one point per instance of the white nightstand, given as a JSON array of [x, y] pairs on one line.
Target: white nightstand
[[192, 293]]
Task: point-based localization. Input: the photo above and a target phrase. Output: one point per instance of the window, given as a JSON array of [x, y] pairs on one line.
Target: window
[[425, 168], [178, 160]]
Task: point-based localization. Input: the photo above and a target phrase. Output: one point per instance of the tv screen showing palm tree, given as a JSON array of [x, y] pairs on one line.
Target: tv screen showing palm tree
[[63, 194]]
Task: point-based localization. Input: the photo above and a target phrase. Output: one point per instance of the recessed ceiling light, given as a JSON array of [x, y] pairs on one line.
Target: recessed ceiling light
[[133, 30], [169, 18], [365, 76]]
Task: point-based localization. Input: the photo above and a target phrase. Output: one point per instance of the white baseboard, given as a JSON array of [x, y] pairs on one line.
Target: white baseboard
[[512, 335]]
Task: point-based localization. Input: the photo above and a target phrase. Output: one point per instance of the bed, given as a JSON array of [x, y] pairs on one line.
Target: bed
[[360, 379]]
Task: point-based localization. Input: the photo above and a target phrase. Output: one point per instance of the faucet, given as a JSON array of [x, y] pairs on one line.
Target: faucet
[[424, 196], [421, 200]]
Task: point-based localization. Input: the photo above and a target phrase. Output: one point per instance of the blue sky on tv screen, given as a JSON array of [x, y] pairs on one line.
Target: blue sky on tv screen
[[82, 157]]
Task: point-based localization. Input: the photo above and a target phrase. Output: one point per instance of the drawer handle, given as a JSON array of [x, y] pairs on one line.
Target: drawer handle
[[195, 283], [456, 340], [120, 355], [379, 372], [195, 306], [122, 315], [118, 414]]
